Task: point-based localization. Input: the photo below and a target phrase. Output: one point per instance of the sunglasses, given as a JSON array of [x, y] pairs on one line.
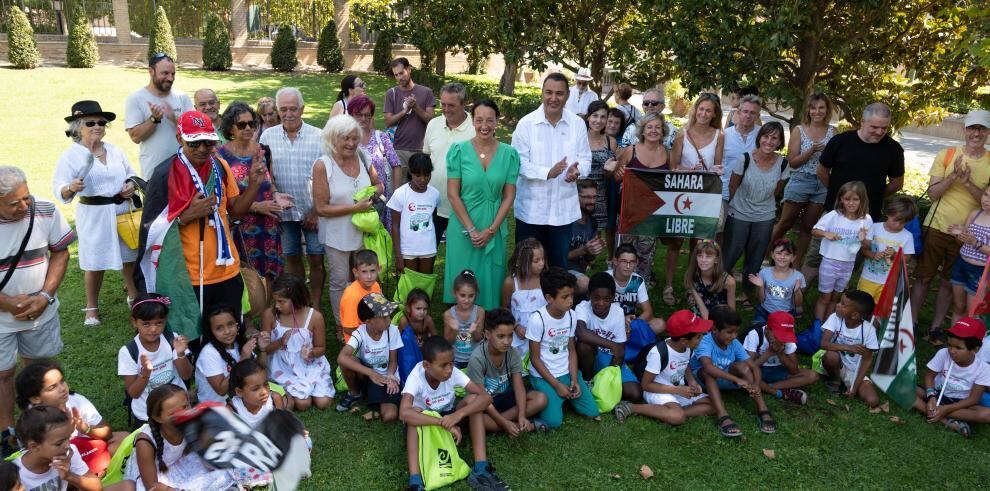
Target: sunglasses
[[90, 124], [653, 103], [244, 124], [196, 144], [155, 58]]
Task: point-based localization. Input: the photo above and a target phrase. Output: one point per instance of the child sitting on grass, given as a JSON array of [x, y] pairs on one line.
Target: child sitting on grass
[[601, 334], [430, 387], [250, 395], [721, 364], [772, 347], [417, 315], [49, 461], [849, 339], [670, 391], [630, 290], [778, 287], [497, 367], [960, 376], [462, 323], [370, 359]]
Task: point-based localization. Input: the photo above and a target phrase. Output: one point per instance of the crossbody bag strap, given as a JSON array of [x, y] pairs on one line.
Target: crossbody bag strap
[[20, 251]]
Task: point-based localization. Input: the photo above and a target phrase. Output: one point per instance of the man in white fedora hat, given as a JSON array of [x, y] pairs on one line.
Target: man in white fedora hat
[[580, 96]]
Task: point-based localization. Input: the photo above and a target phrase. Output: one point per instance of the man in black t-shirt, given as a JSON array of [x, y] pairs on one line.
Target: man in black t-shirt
[[869, 155]]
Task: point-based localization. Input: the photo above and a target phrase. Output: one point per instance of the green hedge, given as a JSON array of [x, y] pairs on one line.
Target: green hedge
[[526, 100]]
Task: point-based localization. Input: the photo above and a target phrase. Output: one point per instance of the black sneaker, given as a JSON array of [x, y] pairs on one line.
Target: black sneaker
[[347, 402], [488, 481], [8, 445]]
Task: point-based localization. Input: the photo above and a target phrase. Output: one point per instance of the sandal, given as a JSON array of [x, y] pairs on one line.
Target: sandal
[[622, 411], [668, 295], [730, 430], [958, 426], [91, 321], [767, 424], [540, 426]]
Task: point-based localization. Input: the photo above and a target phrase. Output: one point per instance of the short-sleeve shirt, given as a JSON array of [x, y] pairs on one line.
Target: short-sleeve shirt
[[733, 149], [677, 365], [865, 334], [209, 363], [416, 229], [721, 357], [754, 199], [962, 379], [846, 248], [436, 142], [162, 371], [374, 353], [292, 165], [411, 129], [612, 327], [439, 399], [581, 233], [349, 304], [876, 270], [779, 294], [630, 295], [553, 335], [753, 338], [848, 158], [956, 203], [189, 234], [495, 379], [87, 411], [50, 480], [984, 353], [51, 233], [161, 144]]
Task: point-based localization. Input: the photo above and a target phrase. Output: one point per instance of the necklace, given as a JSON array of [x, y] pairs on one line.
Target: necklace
[[483, 152]]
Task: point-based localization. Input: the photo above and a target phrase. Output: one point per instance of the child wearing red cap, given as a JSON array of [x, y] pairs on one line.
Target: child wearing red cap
[[772, 348], [956, 380], [671, 392]]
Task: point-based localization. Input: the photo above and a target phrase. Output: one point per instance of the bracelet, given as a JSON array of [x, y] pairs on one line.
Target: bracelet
[[472, 229]]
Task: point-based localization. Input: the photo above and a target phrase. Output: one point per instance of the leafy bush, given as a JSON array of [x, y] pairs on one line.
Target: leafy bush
[[328, 53], [383, 53], [160, 40], [81, 51], [284, 50], [526, 99], [216, 45], [21, 48]]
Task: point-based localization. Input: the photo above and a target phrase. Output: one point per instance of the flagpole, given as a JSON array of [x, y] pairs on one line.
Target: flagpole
[[944, 383], [202, 232]]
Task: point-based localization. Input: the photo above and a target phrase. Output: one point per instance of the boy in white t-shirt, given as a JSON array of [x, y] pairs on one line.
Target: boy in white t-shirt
[[671, 392], [961, 377], [601, 334], [881, 244], [550, 332], [413, 207], [850, 339], [430, 387], [369, 360], [772, 348], [49, 461]]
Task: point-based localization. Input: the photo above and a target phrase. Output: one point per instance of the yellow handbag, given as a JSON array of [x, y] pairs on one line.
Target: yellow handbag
[[129, 226]]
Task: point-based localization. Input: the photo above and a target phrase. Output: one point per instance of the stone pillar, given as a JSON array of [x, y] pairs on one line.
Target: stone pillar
[[122, 21], [238, 23], [342, 17]]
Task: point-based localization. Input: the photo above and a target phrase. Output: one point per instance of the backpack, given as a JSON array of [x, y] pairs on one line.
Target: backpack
[[760, 335], [783, 164], [639, 367], [132, 350]]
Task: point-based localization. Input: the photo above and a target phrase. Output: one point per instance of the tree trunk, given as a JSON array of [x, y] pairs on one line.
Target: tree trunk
[[441, 63], [507, 86], [804, 78], [426, 60]]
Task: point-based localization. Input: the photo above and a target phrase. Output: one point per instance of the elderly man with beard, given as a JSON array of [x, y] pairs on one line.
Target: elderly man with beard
[[150, 114]]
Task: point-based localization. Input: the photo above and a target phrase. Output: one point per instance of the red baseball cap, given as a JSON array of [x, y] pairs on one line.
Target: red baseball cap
[[195, 126], [968, 327], [684, 322], [781, 324]]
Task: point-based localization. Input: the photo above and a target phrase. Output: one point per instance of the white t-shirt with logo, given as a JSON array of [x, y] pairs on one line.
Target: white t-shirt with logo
[[440, 399], [416, 226], [962, 379], [50, 480], [677, 365], [847, 247], [865, 334], [749, 343], [876, 270], [612, 327], [553, 336], [162, 372], [374, 354], [210, 364]]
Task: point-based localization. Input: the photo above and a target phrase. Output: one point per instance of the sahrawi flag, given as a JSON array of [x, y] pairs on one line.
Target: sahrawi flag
[[670, 204], [894, 368]]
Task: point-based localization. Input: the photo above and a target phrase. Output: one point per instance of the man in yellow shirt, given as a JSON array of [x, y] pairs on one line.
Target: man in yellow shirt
[[455, 126]]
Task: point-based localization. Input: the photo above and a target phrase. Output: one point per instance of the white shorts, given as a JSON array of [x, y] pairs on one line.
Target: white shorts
[[834, 275], [661, 399]]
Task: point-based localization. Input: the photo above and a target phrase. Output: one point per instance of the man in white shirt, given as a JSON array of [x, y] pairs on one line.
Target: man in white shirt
[[151, 112], [740, 138], [553, 152], [455, 126], [653, 102], [580, 96]]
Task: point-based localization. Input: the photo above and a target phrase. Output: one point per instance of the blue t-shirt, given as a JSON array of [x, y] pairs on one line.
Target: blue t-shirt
[[778, 294], [721, 358]]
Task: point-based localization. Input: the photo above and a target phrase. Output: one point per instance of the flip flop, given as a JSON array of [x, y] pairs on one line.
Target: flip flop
[[766, 422], [730, 430]]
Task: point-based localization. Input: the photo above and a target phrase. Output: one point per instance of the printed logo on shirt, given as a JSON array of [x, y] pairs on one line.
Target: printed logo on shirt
[[376, 358], [53, 484], [776, 290], [675, 370], [161, 374], [439, 402], [496, 385]]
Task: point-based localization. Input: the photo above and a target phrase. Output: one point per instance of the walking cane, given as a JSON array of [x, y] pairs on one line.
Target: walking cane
[[202, 232]]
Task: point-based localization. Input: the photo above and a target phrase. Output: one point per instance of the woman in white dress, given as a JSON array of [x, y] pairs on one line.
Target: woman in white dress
[[97, 173]]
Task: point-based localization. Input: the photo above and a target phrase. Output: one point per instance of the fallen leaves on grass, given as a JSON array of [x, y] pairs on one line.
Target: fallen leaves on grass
[[769, 453], [847, 407], [885, 407], [830, 402], [895, 419], [645, 472], [355, 410], [616, 476]]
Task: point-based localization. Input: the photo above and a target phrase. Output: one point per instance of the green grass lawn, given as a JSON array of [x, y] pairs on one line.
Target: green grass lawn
[[838, 445]]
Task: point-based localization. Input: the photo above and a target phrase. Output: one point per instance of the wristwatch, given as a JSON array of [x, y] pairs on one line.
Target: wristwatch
[[48, 297], [156, 120]]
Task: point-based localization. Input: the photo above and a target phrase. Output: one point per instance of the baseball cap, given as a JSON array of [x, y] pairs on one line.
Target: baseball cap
[[977, 117], [376, 305], [781, 324], [684, 322], [968, 327], [195, 126]]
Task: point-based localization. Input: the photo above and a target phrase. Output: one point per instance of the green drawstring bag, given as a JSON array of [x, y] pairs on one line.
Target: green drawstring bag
[[115, 470], [407, 281], [816, 362], [607, 388], [459, 392], [366, 221], [380, 241], [439, 462], [341, 384]]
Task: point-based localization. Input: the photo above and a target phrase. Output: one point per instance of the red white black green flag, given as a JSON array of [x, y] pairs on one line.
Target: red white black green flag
[[670, 204], [894, 369]]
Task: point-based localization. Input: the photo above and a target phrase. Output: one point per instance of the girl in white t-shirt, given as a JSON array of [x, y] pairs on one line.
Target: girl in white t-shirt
[[250, 395], [49, 461], [43, 383], [224, 345], [413, 207], [843, 231]]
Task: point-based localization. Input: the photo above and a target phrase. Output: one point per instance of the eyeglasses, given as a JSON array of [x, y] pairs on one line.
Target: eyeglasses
[[653, 103], [90, 124], [244, 124], [196, 144], [360, 85]]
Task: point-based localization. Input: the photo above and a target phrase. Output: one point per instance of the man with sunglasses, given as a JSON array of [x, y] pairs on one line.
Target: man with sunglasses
[[150, 114], [653, 102], [207, 102]]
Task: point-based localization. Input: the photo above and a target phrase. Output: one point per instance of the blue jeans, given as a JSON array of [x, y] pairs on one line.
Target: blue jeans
[[555, 239], [753, 238], [292, 233]]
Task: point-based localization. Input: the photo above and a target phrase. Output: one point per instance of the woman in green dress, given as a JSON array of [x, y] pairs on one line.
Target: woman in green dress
[[481, 185]]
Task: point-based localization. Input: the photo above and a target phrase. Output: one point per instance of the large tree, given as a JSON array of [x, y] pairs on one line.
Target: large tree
[[907, 53], [431, 26], [518, 29]]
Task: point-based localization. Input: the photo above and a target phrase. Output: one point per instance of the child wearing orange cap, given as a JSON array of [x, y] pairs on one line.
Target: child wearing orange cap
[[772, 348], [956, 380]]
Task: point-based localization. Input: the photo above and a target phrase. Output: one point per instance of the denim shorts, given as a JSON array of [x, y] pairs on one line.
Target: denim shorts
[[805, 188], [774, 374], [966, 275], [292, 243]]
